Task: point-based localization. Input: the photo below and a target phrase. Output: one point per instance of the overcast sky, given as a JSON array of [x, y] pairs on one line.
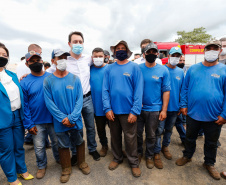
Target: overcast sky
[[48, 22]]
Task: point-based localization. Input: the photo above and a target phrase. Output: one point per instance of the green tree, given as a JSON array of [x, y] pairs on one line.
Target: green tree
[[198, 35]]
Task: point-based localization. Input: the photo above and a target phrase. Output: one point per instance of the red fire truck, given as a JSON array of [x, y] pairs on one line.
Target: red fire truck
[[193, 53]]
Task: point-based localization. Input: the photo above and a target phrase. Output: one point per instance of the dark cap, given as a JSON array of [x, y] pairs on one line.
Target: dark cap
[[151, 46]]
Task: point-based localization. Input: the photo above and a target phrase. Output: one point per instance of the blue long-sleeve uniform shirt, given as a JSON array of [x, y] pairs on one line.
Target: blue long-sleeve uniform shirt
[[203, 92], [123, 89], [35, 110], [176, 81], [64, 98], [96, 83], [156, 81]]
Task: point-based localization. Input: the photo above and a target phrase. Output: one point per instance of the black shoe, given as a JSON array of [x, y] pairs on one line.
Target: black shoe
[[96, 155], [74, 160], [183, 143], [29, 143]]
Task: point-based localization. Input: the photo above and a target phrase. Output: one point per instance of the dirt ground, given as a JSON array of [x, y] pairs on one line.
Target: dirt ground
[[191, 173]]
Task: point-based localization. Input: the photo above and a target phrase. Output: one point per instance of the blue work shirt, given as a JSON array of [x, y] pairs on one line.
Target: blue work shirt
[[203, 92], [123, 89], [156, 81], [96, 83], [35, 110], [64, 98]]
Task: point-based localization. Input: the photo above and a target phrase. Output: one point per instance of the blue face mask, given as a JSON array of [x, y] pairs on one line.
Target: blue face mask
[[77, 49], [121, 55]]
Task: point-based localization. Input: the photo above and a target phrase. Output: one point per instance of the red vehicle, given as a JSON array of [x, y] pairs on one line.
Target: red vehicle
[[193, 53], [164, 48]]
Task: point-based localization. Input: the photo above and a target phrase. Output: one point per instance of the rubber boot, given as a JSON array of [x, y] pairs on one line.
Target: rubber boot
[[65, 161], [81, 159]]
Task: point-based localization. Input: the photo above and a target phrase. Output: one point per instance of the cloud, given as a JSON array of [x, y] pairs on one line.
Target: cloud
[[48, 23]]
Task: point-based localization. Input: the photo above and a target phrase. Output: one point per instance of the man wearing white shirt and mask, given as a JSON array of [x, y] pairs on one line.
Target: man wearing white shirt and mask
[[79, 64]]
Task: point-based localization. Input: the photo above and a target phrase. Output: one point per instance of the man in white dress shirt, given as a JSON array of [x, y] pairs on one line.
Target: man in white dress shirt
[[79, 64]]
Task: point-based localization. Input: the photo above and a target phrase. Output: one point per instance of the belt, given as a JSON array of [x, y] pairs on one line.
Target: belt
[[86, 95]]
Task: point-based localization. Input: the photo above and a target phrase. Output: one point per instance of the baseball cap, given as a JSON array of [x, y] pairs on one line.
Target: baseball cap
[[31, 54], [129, 53], [58, 52], [214, 42], [151, 46], [106, 53], [175, 50]]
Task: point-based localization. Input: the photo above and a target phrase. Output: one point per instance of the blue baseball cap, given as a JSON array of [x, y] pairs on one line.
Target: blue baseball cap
[[58, 52], [31, 54], [175, 50]]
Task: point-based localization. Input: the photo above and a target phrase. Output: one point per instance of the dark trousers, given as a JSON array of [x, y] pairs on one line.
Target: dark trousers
[[212, 133], [149, 120], [101, 122], [130, 135]]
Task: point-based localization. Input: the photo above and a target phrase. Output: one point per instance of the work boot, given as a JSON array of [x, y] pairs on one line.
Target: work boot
[[157, 161], [103, 151], [182, 161], [136, 172], [81, 159], [96, 155], [113, 165], [166, 153], [212, 171], [150, 163], [41, 173], [65, 164]]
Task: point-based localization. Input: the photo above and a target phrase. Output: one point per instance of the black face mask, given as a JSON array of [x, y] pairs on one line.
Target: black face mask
[[180, 65], [36, 67], [150, 58], [121, 55], [3, 61], [106, 60]]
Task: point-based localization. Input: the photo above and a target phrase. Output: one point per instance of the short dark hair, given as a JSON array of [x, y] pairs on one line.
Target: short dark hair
[[1, 44], [46, 64], [22, 58], [96, 50], [223, 39], [75, 33], [137, 54], [145, 41], [32, 46], [5, 48]]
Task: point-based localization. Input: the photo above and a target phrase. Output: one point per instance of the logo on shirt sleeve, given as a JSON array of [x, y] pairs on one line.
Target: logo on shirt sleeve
[[216, 75], [155, 77], [70, 87], [126, 74]]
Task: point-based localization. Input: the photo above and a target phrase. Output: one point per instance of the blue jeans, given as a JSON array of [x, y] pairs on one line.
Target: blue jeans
[[69, 139], [12, 154], [40, 144], [212, 133], [181, 120], [167, 126], [88, 116]]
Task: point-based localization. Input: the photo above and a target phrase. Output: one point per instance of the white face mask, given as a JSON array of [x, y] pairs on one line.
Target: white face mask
[[174, 60], [61, 64], [98, 61], [223, 53], [211, 55]]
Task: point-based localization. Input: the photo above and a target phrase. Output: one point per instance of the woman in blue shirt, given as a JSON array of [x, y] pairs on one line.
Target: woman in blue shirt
[[12, 155]]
